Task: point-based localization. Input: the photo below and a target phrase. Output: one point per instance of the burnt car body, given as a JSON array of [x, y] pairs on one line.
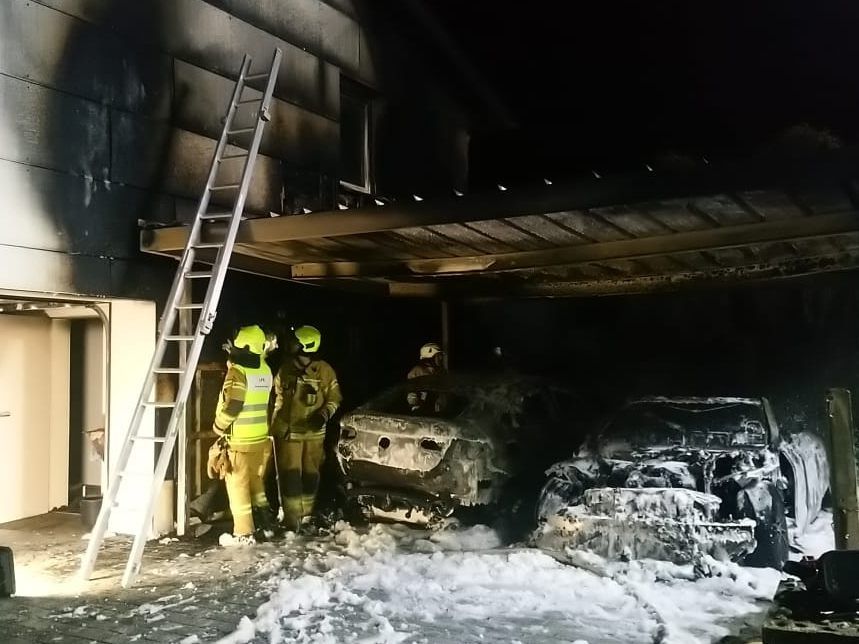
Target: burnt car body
[[677, 478], [431, 445]]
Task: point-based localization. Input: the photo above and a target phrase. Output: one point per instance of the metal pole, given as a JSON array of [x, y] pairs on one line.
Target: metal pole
[[842, 458], [445, 333]]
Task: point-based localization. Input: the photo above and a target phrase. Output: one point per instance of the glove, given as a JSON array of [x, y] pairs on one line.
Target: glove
[[318, 419], [218, 464], [315, 422], [278, 427]]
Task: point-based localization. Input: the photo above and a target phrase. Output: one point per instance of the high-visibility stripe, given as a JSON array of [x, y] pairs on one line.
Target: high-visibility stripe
[[256, 407], [305, 436], [245, 421]]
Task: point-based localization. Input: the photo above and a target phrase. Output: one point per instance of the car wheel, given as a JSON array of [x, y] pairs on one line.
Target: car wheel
[[771, 533]]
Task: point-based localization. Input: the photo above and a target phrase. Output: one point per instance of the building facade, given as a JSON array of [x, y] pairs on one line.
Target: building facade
[[109, 115]]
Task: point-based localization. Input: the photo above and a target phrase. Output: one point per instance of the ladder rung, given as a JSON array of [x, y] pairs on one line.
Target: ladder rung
[[226, 186], [169, 370], [249, 100], [159, 405], [196, 275], [189, 307], [154, 439], [179, 338], [241, 130], [240, 155], [216, 215], [256, 76], [207, 245]]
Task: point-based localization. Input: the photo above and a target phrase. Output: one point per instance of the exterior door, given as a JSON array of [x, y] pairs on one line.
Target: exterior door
[[25, 416]]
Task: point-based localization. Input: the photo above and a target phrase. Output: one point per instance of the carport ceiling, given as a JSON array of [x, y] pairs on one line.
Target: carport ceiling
[[626, 234]]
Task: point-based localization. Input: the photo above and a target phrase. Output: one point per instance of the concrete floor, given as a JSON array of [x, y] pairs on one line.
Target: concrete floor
[[186, 587]]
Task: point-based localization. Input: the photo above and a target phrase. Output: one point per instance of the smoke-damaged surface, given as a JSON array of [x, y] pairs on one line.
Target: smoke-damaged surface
[[675, 479], [422, 449]]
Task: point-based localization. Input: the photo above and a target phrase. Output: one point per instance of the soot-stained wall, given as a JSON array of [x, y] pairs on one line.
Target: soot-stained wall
[[109, 111]]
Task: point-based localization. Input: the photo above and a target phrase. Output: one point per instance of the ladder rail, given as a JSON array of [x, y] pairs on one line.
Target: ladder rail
[[189, 253], [216, 284], [188, 355]]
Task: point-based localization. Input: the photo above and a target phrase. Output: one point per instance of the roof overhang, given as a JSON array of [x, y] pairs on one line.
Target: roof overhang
[[634, 233]]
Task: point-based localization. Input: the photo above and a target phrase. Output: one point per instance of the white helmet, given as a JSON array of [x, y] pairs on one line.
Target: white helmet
[[430, 350]]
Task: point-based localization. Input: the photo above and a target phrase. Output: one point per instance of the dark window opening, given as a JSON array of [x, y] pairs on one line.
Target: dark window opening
[[354, 137]]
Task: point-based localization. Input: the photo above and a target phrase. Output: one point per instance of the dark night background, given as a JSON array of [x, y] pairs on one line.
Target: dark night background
[[613, 85]]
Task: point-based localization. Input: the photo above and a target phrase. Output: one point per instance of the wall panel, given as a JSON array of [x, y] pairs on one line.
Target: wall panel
[[147, 154], [28, 269], [209, 37], [56, 211], [43, 127], [311, 24], [294, 134], [54, 49]]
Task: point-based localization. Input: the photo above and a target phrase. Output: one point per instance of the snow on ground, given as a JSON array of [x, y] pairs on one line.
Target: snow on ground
[[391, 584]]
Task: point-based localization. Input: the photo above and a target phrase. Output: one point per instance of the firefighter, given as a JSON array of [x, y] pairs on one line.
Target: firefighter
[[241, 421], [431, 364], [307, 395]]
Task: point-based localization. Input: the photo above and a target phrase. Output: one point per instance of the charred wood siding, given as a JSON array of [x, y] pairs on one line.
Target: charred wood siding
[[108, 114], [112, 108]]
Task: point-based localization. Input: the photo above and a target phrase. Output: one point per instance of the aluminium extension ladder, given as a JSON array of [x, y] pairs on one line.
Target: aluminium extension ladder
[[179, 301]]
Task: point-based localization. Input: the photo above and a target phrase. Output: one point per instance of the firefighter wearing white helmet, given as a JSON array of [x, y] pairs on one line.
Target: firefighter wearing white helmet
[[431, 364], [243, 449], [307, 395]]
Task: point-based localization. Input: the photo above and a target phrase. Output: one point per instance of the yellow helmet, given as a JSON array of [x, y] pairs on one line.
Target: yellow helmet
[[309, 338], [251, 337]]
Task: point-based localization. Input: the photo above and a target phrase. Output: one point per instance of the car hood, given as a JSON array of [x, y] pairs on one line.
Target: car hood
[[667, 467]]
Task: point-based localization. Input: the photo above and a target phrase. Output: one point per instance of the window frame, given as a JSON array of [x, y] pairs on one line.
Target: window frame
[[359, 95]]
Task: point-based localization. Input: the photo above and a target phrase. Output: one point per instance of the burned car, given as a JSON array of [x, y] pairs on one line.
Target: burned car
[[432, 445], [677, 478]]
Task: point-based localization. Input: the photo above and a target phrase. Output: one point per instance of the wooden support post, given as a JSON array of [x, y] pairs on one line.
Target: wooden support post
[[445, 333], [186, 327], [842, 459]]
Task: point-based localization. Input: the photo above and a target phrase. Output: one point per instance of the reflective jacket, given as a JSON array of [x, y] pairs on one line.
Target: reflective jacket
[[244, 404], [300, 394]]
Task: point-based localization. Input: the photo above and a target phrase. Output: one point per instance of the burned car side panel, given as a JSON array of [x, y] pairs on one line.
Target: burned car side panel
[[806, 466], [455, 444], [675, 478]]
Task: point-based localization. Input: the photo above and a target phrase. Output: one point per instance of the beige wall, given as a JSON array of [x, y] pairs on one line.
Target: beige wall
[[132, 342], [34, 389]]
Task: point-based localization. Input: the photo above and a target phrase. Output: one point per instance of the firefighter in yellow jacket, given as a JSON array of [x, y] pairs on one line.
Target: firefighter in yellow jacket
[[242, 421], [307, 395]]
